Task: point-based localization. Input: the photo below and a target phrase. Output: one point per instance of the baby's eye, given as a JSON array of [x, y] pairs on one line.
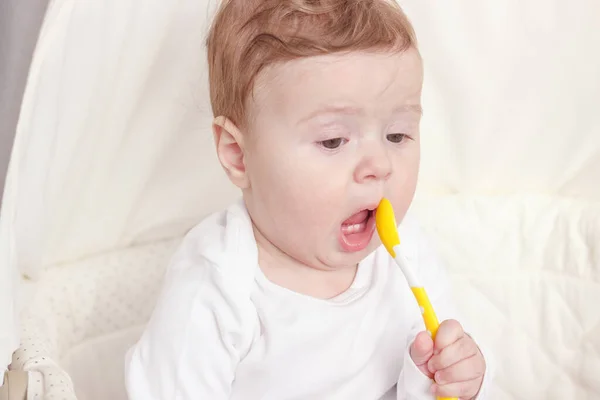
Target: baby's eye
[[332, 144], [396, 137]]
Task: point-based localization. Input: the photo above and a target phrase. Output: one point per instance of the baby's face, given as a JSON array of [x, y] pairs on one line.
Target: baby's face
[[328, 138]]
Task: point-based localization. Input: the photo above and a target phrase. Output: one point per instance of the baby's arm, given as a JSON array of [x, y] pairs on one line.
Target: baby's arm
[[415, 381], [191, 345]]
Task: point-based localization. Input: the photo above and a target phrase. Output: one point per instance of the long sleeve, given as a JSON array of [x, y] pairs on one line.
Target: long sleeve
[[193, 341], [413, 384]]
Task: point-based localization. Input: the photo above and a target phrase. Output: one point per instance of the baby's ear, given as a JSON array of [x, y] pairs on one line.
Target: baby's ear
[[230, 150]]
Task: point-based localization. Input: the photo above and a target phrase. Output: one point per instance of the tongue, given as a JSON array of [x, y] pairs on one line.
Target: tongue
[[357, 218]]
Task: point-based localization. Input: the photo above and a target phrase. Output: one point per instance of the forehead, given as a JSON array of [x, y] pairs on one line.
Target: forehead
[[369, 82]]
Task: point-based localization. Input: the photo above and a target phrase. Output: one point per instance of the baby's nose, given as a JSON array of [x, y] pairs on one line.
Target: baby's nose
[[374, 167]]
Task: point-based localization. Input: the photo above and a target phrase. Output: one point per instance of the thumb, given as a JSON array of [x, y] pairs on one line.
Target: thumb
[[421, 350]]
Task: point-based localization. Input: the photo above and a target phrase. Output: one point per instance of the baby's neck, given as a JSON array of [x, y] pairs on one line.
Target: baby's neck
[[282, 270]]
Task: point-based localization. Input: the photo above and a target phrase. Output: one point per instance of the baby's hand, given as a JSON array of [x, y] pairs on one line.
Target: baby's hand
[[454, 361]]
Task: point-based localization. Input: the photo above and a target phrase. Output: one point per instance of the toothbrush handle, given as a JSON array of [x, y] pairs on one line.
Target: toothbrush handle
[[429, 317]]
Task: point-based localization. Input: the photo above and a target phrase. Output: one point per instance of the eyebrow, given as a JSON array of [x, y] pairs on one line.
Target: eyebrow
[[345, 110], [416, 108], [349, 110]]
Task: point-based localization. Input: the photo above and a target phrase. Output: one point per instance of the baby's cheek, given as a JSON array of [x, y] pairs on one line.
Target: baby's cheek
[[401, 188]]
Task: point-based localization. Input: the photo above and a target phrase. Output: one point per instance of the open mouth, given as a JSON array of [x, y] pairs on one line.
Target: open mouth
[[356, 232]]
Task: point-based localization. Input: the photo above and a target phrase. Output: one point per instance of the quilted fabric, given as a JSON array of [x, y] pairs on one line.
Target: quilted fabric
[[527, 269], [82, 305]]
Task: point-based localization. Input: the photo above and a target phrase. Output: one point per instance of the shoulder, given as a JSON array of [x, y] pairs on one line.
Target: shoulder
[[204, 307], [219, 252], [209, 281], [197, 296]]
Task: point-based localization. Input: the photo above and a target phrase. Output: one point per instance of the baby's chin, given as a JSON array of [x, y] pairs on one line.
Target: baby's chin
[[341, 259]]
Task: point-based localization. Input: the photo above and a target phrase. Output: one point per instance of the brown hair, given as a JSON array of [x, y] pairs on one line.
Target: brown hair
[[248, 35]]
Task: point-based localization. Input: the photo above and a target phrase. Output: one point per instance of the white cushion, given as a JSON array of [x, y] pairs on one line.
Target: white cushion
[[82, 317]]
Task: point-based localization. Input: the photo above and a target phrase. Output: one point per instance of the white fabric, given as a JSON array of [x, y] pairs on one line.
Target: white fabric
[[222, 330], [9, 338], [527, 269], [113, 148], [78, 315], [114, 109], [511, 96]]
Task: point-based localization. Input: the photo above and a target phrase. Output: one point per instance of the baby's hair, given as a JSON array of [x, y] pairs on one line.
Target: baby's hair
[[248, 35]]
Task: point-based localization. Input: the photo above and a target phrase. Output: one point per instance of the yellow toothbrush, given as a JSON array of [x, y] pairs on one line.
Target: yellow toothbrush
[[388, 233]]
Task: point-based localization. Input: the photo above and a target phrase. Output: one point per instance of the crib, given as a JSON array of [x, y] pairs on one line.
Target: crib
[[113, 162]]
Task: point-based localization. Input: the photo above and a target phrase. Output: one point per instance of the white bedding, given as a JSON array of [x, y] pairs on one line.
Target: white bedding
[[114, 150], [527, 268], [84, 315]]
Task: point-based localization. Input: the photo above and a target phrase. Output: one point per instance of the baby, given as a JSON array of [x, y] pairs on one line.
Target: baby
[[288, 293]]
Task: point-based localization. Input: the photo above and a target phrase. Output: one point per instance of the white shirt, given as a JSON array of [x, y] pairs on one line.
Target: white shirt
[[221, 330]]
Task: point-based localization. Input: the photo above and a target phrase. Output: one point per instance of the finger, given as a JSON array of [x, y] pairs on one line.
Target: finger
[[463, 371], [461, 390], [461, 349], [421, 351], [449, 332]]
